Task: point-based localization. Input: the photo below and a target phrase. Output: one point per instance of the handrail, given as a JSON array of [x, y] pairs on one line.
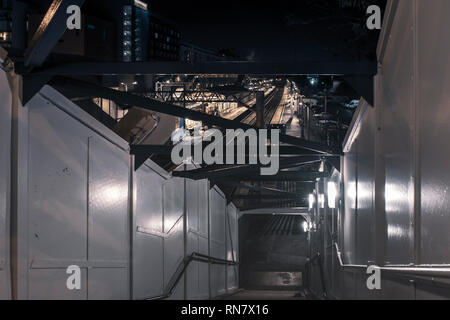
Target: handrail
[[339, 256], [433, 271], [182, 267]]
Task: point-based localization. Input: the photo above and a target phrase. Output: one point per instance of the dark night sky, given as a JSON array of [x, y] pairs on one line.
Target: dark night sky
[[261, 30]]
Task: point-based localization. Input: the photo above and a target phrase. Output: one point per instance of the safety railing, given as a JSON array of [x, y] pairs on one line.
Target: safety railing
[[431, 274], [182, 267]]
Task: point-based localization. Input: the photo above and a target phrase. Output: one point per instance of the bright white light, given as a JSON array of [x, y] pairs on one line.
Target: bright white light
[[398, 231], [313, 81], [311, 201], [400, 196], [332, 193], [305, 226], [322, 201], [351, 190], [322, 167], [111, 194]]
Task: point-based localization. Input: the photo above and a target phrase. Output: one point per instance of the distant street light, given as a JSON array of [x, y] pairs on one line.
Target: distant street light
[[126, 85]]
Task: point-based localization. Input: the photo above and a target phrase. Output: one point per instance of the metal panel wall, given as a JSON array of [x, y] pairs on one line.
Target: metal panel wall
[[359, 175], [108, 239], [173, 212], [160, 236], [349, 217], [232, 242], [365, 188], [148, 249], [77, 197], [5, 153], [77, 180], [197, 276], [397, 103], [412, 115], [203, 240], [217, 241], [332, 214], [433, 96]]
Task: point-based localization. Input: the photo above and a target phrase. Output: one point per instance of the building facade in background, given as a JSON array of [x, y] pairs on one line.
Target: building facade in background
[[5, 23], [146, 36]]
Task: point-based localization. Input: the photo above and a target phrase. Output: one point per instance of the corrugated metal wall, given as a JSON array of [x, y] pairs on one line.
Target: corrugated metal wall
[[81, 203], [395, 209]]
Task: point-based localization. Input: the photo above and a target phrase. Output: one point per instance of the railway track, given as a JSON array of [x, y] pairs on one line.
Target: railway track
[[270, 107]]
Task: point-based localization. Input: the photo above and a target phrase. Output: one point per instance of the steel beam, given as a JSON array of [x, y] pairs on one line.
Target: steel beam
[[166, 150], [49, 32], [221, 67], [298, 176], [220, 171], [272, 209], [191, 97], [130, 100], [252, 187], [268, 197]]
